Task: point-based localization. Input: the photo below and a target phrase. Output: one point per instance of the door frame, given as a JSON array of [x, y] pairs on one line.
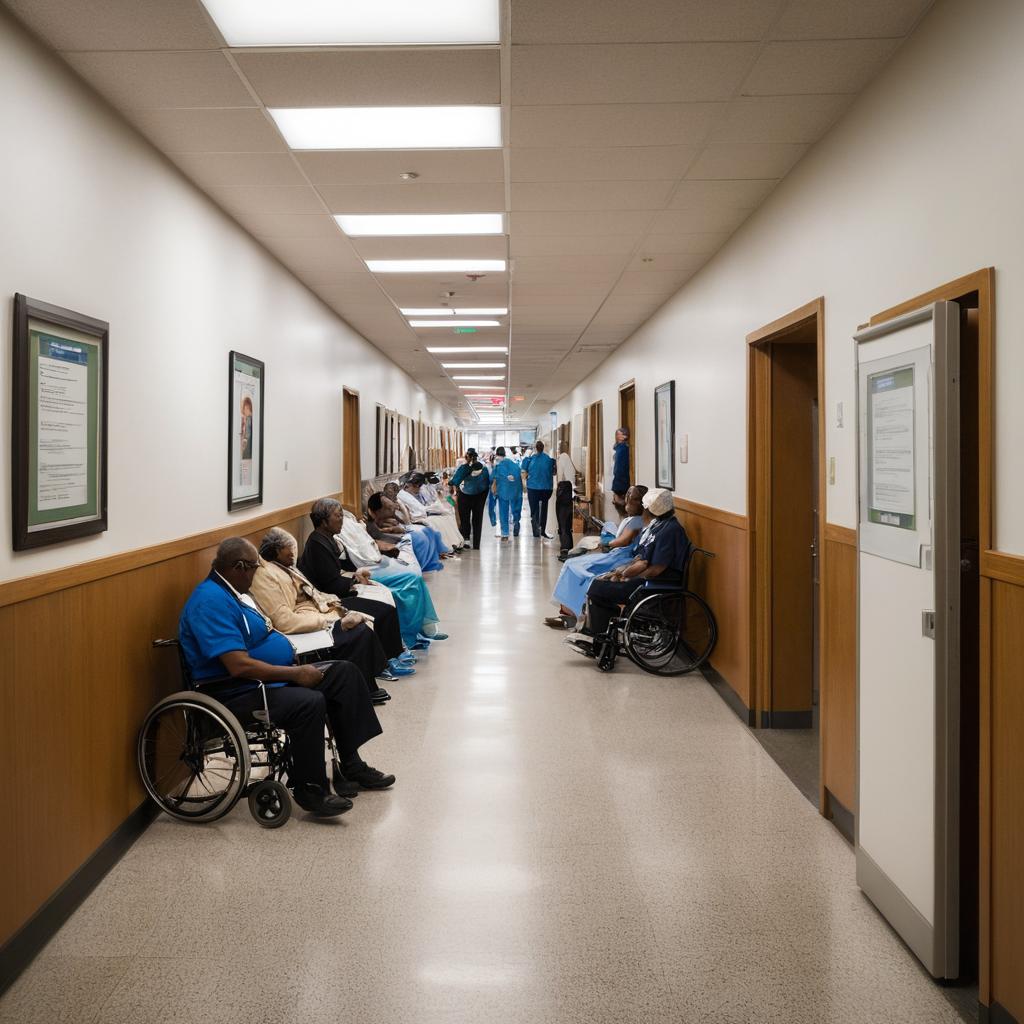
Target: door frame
[[630, 385], [759, 491], [981, 282]]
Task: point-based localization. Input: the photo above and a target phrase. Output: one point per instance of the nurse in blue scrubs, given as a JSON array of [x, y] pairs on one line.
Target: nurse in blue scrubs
[[574, 581], [507, 485]]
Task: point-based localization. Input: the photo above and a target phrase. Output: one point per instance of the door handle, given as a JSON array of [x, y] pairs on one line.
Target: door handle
[[928, 624]]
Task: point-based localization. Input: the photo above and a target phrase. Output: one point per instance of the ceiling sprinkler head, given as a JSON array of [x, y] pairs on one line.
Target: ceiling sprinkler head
[[475, 277]]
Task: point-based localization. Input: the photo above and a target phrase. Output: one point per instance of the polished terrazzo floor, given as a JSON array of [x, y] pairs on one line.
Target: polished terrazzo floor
[[561, 846]]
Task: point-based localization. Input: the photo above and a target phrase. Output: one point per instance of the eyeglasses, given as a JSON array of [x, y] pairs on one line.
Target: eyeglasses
[[246, 565]]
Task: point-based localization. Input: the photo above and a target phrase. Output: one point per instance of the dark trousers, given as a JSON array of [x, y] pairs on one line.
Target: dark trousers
[[563, 514], [538, 509], [341, 697], [603, 600], [362, 648], [385, 622], [471, 515]]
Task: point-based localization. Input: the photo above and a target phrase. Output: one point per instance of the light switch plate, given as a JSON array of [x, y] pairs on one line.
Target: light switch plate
[[832, 470], [839, 414], [684, 448]]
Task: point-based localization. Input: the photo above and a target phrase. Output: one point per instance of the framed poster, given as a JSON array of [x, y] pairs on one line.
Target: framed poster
[[245, 431], [59, 424], [665, 435]]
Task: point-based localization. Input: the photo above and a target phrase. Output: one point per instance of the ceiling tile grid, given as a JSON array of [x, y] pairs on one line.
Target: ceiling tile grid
[[636, 140]]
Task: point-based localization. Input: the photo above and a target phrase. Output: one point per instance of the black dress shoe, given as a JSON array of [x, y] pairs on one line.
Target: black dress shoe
[[369, 778], [380, 696], [319, 802]]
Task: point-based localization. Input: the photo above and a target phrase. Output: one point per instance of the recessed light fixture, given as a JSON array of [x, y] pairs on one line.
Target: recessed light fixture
[[355, 22], [479, 387], [385, 225], [477, 127], [474, 366], [445, 311], [499, 376], [434, 266], [452, 323], [465, 350]]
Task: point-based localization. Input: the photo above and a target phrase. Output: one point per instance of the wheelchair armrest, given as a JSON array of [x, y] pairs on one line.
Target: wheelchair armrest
[[664, 586]]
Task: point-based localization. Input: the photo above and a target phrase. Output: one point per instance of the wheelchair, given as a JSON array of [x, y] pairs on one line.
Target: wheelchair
[[664, 628], [197, 760]]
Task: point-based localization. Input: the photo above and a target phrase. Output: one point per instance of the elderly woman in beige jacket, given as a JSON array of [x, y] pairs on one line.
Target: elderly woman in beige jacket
[[294, 605]]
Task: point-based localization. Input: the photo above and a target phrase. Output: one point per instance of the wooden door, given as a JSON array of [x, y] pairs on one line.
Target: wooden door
[[627, 419], [351, 469]]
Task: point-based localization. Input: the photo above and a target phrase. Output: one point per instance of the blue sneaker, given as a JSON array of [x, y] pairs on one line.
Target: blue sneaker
[[432, 637], [421, 645], [407, 658], [398, 669]]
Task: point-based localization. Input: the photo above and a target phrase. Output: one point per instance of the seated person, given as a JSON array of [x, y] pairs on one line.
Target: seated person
[[230, 647], [401, 513], [393, 537], [661, 554], [321, 565], [440, 518], [294, 605], [578, 573], [392, 555]]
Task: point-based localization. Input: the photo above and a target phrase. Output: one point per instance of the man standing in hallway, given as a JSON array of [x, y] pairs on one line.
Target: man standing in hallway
[[620, 468], [565, 477], [507, 487], [539, 475]]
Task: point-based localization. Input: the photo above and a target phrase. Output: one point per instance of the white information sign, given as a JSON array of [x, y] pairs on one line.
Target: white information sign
[[892, 466], [63, 431]]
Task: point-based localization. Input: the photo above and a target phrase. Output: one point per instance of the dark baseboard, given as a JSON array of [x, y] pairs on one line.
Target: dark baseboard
[[729, 695], [787, 719], [19, 951], [995, 1014], [840, 816]]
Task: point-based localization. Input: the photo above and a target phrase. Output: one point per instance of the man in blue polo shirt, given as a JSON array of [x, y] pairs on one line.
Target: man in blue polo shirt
[[230, 645], [539, 473]]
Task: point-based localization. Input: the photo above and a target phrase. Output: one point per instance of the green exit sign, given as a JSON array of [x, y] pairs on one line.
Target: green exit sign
[[465, 330]]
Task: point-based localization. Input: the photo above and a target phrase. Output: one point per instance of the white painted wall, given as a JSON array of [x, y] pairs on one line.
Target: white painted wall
[[94, 219], [920, 183]]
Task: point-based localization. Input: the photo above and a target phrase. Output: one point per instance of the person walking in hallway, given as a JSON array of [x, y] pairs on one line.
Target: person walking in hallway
[[565, 482], [620, 468], [539, 473], [507, 485], [471, 483]]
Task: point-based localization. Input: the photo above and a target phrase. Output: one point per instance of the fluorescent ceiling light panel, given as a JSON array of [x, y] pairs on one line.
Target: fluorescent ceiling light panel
[[452, 323], [355, 22], [445, 311], [391, 224], [435, 267], [474, 366], [479, 387], [499, 376], [464, 349], [477, 127]]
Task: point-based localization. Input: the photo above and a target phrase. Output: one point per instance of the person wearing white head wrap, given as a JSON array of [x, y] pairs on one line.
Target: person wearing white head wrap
[[661, 554]]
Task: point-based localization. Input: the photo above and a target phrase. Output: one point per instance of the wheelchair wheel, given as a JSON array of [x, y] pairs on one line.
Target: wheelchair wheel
[[193, 757], [670, 633], [270, 804]]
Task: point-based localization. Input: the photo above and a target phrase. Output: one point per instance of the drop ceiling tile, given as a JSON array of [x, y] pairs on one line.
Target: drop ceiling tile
[[616, 163], [552, 293], [571, 245], [415, 198], [571, 306], [706, 219], [208, 131], [700, 243], [485, 247], [630, 73], [746, 160], [780, 118], [568, 282], [654, 21], [408, 293], [818, 67], [119, 24], [840, 19], [245, 170], [591, 222], [651, 282], [283, 225], [615, 124], [268, 199], [556, 266], [362, 302], [591, 195], [525, 322], [373, 77], [153, 79], [383, 167], [667, 261], [333, 255], [740, 194]]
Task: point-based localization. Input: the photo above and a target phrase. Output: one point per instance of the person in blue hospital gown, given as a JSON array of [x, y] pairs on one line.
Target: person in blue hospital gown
[[507, 485]]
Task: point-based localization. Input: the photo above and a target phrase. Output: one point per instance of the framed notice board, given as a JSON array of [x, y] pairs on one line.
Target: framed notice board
[[59, 428]]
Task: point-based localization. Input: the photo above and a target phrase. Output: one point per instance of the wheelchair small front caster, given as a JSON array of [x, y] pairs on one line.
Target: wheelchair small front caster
[[606, 657], [270, 804]]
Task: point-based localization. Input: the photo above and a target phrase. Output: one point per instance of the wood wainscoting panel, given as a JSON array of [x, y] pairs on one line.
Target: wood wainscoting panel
[[839, 665], [1006, 912], [79, 674], [724, 582]]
